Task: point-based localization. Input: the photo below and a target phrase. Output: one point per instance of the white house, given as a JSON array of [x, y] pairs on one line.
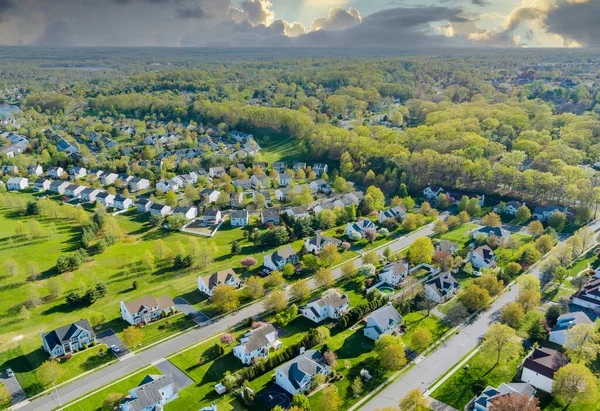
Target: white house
[[260, 181], [76, 173], [278, 259], [394, 273], [239, 218], [236, 200], [285, 179], [74, 190], [564, 323], [544, 213], [58, 187], [320, 186], [441, 288], [509, 208], [107, 179], [56, 172], [539, 367], [208, 283], [499, 232], [296, 375], [383, 321], [122, 203], [188, 212], [212, 216], [10, 169], [315, 244], [446, 246], [320, 168], [106, 199], [138, 184], [152, 394], [244, 183], [35, 170], [167, 185], [269, 216], [332, 305], [143, 205], [42, 184], [160, 209], [297, 212], [17, 183], [394, 213], [209, 196], [431, 192], [89, 194], [486, 399], [146, 309], [256, 344], [68, 338], [279, 166], [482, 257], [360, 226]]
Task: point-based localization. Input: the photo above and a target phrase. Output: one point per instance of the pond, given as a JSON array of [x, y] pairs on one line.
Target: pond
[[7, 109]]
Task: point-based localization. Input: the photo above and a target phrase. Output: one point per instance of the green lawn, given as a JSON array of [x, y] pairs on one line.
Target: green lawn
[[165, 328], [464, 384], [420, 319], [459, 235]]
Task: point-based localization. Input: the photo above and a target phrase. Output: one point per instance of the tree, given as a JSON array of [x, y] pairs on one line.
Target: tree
[[464, 217], [492, 220], [537, 330], [557, 221], [317, 381], [490, 283], [301, 401], [582, 343], [299, 291], [330, 400], [513, 268], [501, 342], [176, 221], [275, 279], [579, 282], [236, 248], [390, 352], [560, 274], [440, 227], [514, 402], [248, 262], [171, 199], [421, 338], [225, 298], [474, 298], [260, 202], [330, 254], [289, 270], [414, 400], [275, 301], [522, 215], [512, 314], [529, 282], [457, 314], [421, 251], [552, 315], [112, 400], [49, 372], [535, 228], [256, 285], [5, 397], [133, 336], [544, 243], [324, 277], [529, 299], [574, 384], [370, 257], [227, 339], [349, 269], [356, 387], [11, 267], [148, 261]]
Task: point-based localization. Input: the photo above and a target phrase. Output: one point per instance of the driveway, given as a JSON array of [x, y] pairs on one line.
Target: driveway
[[109, 338], [13, 387], [183, 306], [180, 379]]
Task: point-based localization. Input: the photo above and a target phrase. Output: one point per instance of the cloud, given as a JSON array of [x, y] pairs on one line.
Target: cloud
[[481, 3], [577, 22], [338, 19], [5, 6], [191, 13], [56, 33], [256, 12]]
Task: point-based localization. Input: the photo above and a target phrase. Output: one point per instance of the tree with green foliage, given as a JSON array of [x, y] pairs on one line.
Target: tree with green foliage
[[133, 336], [501, 342], [574, 384], [512, 314], [582, 343], [414, 400], [421, 251], [522, 215], [49, 372], [390, 352]]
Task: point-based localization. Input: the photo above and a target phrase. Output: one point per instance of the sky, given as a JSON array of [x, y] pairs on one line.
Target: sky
[[398, 24]]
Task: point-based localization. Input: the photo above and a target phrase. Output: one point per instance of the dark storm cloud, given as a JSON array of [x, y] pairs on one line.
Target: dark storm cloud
[[191, 13], [576, 21], [56, 33], [480, 3], [5, 6]]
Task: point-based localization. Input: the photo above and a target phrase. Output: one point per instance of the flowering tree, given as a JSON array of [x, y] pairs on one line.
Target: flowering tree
[[346, 245], [227, 338], [248, 262], [258, 324], [371, 234]]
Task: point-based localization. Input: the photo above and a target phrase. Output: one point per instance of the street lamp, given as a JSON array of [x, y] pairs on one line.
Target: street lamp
[[57, 395]]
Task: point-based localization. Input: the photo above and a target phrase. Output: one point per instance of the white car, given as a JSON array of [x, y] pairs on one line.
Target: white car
[[114, 348], [10, 373]]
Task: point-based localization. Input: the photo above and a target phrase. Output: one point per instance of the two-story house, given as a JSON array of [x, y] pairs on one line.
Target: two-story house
[[143, 205], [441, 288], [360, 226], [58, 187], [544, 213], [431, 192], [296, 375], [482, 257], [17, 183], [212, 216], [208, 283], [260, 181], [332, 305], [383, 321], [316, 243], [395, 213], [106, 199], [256, 344], [564, 323], [540, 366], [500, 233], [394, 272], [68, 338], [138, 184], [146, 309], [122, 203], [160, 209], [239, 218], [509, 208], [278, 259], [269, 215], [485, 401], [151, 395], [285, 179]]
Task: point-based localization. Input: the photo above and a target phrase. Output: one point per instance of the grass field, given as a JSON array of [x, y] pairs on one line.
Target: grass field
[[460, 234]]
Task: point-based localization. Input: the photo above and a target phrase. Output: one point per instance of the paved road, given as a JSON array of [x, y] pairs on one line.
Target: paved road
[[129, 364], [13, 387], [443, 358]]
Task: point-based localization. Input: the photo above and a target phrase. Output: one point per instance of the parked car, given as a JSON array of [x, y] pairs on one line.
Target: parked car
[[10, 373], [114, 348]]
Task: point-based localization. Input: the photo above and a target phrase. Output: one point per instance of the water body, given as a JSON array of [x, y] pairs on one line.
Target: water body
[[7, 109]]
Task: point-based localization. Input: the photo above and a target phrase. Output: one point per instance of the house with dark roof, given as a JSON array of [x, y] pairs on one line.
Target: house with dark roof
[[58, 187], [105, 198], [212, 216], [285, 179], [89, 194], [188, 212], [208, 283], [589, 296], [498, 232], [540, 366], [485, 400], [244, 183], [431, 191], [56, 172], [138, 184], [17, 183], [74, 190], [441, 288], [269, 215], [383, 321], [394, 272], [278, 259], [446, 246], [316, 243], [240, 218], [151, 395], [395, 213], [482, 257], [160, 209], [68, 338], [320, 168], [42, 184], [256, 344], [146, 309], [564, 323], [332, 305], [143, 205], [279, 166], [298, 165], [360, 226], [544, 213], [122, 203], [297, 212], [296, 375], [509, 208]]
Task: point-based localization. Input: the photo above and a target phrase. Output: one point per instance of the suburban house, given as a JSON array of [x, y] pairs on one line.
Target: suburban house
[[188, 212], [74, 190], [208, 283], [56, 172], [244, 183], [285, 179], [564, 323], [106, 199], [486, 398], [394, 213], [212, 216], [320, 186], [138, 184], [394, 273], [279, 166], [320, 168], [167, 185], [296, 375], [431, 192], [446, 246], [160, 209], [107, 179], [383, 321], [17, 183], [143, 205], [315, 244], [239, 218], [42, 184], [216, 172], [482, 257], [360, 226], [502, 234], [152, 394], [544, 213], [269, 216], [35, 170], [256, 344], [298, 165], [332, 305], [540, 365], [278, 259], [68, 338], [297, 212], [146, 309], [75, 173], [10, 169], [236, 199], [260, 164], [89, 194], [260, 181], [441, 288], [58, 187], [509, 208], [209, 196], [122, 203]]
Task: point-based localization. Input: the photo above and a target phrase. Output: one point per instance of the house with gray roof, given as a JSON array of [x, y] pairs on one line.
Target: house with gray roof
[[296, 375], [332, 305], [269, 215], [498, 232], [441, 288], [316, 243], [360, 226], [395, 213], [278, 259], [68, 338], [240, 218], [383, 321], [486, 399], [208, 283], [146, 309], [151, 395], [544, 213], [256, 344], [394, 272], [564, 323]]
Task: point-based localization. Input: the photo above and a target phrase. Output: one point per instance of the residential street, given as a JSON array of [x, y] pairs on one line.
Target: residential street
[[153, 355]]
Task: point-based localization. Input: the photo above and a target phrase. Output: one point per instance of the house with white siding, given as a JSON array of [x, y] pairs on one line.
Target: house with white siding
[[316, 243], [68, 338], [383, 321], [333, 306], [89, 194], [146, 309], [106, 199], [151, 395], [560, 333], [17, 183], [256, 344], [278, 259], [540, 366], [441, 288], [239, 218], [482, 257], [394, 272], [160, 209], [296, 375], [208, 283]]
